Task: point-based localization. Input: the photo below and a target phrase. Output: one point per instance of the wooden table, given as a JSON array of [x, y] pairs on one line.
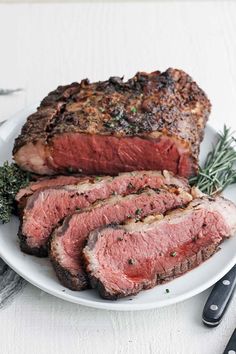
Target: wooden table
[[44, 45]]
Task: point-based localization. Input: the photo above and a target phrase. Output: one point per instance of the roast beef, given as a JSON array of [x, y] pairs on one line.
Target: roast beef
[[45, 208], [68, 240], [151, 122], [45, 182], [42, 183], [123, 260]]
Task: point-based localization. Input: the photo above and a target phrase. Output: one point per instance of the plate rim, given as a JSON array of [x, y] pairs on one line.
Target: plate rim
[[5, 131], [122, 306]]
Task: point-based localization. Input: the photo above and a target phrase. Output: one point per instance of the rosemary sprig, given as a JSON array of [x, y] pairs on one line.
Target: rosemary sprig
[[218, 171]]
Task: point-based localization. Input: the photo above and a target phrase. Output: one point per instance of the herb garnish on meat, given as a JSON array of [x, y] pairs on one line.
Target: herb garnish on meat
[[173, 254], [138, 211], [133, 109]]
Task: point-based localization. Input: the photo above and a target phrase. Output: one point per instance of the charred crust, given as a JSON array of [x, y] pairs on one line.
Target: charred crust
[[163, 102], [41, 252], [76, 282], [192, 262], [97, 284], [36, 126], [72, 281]]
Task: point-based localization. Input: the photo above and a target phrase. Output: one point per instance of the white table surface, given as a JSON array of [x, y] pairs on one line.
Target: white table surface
[[44, 45]]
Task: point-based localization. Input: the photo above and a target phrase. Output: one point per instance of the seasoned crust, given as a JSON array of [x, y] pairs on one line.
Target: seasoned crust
[[147, 105], [69, 280], [41, 252], [36, 126]]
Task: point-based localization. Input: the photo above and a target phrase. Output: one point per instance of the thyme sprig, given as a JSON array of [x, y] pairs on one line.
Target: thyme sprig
[[12, 178], [218, 171]]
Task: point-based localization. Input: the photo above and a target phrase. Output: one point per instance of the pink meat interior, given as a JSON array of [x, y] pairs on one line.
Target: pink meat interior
[[109, 154]]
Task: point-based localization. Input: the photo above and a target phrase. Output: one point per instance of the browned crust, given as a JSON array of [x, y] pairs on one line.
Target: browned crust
[[71, 281], [94, 281], [40, 252], [74, 281], [170, 103], [34, 251], [36, 126]]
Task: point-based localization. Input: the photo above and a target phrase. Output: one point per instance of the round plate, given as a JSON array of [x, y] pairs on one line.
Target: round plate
[[40, 273]]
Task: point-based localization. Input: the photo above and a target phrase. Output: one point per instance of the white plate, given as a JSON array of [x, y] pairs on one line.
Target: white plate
[[40, 273]]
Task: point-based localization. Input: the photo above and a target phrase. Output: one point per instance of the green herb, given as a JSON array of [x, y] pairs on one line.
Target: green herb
[[97, 178], [119, 116], [131, 261], [218, 171], [70, 169], [12, 179], [101, 109], [167, 291], [109, 124], [133, 109], [138, 211], [173, 254]]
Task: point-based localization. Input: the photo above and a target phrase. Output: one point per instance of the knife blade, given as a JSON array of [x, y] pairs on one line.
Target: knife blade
[[219, 299], [231, 346]]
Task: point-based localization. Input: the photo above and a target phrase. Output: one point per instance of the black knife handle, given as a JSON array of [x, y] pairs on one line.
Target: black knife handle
[[231, 346], [219, 299]]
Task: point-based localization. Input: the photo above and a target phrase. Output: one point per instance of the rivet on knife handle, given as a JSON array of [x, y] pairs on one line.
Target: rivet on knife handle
[[231, 346], [219, 299]]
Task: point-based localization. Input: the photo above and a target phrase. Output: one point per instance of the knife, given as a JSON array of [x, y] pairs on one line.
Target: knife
[[219, 299], [231, 346]]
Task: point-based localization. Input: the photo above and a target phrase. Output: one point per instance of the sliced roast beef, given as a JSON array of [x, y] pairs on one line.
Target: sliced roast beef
[[45, 208], [123, 260], [151, 122], [45, 182], [68, 240], [42, 183]]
